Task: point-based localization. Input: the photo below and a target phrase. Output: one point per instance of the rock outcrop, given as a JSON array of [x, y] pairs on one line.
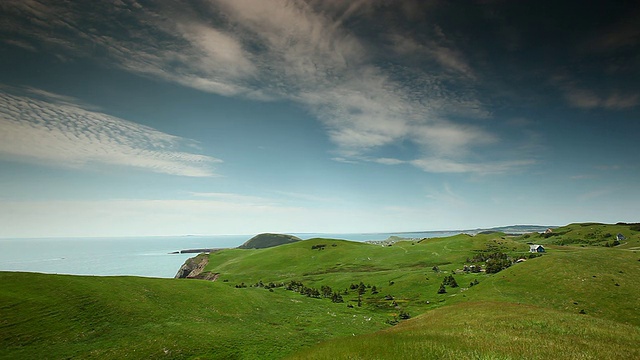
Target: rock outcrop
[[193, 268]]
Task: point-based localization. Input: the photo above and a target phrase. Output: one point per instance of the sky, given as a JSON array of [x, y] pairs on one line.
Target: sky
[[139, 118]]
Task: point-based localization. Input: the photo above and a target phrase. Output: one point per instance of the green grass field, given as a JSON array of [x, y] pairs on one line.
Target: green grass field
[[578, 301]]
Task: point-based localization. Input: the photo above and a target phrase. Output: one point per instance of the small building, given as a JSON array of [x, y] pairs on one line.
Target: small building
[[548, 231], [620, 237], [536, 248]]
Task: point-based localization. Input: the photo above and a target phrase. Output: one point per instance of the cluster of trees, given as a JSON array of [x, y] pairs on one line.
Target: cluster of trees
[[447, 281], [325, 291], [494, 262], [361, 288], [270, 286], [497, 262], [321, 246]]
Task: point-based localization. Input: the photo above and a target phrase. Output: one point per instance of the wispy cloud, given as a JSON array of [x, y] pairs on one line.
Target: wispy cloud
[[233, 198], [439, 49], [587, 99], [49, 128], [295, 50], [595, 194], [439, 165]]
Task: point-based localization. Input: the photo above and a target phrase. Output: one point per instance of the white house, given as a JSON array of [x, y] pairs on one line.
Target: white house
[[536, 248]]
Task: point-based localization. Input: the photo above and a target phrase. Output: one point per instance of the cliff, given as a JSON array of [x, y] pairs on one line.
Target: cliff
[[193, 268]]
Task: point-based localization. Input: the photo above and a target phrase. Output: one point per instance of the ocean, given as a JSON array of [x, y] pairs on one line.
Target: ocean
[[135, 256]]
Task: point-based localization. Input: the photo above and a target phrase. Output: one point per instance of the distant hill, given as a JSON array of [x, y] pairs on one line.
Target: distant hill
[[262, 241]]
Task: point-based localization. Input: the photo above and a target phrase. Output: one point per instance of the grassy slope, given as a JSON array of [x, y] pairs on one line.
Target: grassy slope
[[603, 282], [56, 316], [110, 317], [489, 330]]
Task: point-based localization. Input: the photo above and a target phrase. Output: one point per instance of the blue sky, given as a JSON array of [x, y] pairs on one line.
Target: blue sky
[[125, 118]]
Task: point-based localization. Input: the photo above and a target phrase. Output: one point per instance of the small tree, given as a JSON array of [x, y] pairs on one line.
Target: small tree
[[442, 290], [326, 291], [361, 288], [449, 280]]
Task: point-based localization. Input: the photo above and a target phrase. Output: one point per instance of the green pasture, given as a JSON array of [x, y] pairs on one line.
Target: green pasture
[[579, 300]]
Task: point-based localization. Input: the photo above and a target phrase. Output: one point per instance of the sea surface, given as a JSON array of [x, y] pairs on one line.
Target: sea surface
[[137, 256]]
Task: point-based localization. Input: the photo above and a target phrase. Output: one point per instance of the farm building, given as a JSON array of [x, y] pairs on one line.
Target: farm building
[[536, 248]]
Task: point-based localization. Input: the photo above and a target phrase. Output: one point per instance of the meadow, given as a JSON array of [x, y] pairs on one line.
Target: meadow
[[577, 301]]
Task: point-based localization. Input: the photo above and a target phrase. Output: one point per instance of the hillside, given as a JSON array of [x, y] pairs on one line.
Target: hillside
[[594, 234], [336, 299], [267, 240], [489, 330]]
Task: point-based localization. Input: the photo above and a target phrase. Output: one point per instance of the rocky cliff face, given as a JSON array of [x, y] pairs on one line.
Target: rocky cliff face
[[193, 269]]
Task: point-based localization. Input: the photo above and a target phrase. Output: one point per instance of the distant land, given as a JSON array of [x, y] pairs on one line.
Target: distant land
[[266, 240]]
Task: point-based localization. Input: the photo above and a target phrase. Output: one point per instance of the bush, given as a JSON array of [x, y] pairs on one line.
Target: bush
[[404, 315]]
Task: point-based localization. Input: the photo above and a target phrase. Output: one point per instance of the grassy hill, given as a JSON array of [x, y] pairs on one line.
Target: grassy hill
[[267, 240], [579, 300], [594, 234]]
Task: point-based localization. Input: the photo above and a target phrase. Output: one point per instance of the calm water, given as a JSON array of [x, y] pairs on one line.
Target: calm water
[[139, 256]]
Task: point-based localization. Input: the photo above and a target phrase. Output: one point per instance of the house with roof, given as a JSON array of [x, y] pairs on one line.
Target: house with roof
[[536, 248], [620, 237]]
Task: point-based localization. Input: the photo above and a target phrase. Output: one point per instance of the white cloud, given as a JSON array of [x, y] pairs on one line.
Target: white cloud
[[57, 132], [296, 50]]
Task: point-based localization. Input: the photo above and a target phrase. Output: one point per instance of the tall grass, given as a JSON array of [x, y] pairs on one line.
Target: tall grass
[[487, 330]]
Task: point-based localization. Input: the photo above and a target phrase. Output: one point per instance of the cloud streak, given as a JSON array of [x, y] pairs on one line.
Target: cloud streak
[[294, 50], [52, 129]]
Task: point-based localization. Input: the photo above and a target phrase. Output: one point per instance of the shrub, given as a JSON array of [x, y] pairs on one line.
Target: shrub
[[404, 315]]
